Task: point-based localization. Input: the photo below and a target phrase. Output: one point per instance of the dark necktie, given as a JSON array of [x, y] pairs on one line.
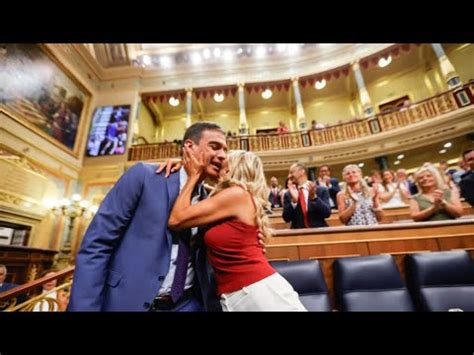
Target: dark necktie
[[177, 288], [179, 281]]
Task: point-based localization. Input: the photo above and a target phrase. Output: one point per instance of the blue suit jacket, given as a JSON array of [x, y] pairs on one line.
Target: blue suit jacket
[[333, 190], [126, 251], [318, 210]]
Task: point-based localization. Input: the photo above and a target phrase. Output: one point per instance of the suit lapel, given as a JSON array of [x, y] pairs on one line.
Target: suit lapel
[[172, 183]]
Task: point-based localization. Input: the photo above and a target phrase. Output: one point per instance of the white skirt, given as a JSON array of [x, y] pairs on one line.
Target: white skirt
[[272, 293]]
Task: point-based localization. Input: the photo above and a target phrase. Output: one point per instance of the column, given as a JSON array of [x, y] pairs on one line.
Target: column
[[363, 94], [300, 116], [447, 69], [189, 106], [243, 125]]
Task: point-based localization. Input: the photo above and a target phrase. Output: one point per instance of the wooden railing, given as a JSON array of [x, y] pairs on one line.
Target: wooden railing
[[386, 121], [8, 299]]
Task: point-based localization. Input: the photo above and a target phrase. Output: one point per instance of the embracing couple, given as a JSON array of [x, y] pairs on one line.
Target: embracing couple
[[160, 243]]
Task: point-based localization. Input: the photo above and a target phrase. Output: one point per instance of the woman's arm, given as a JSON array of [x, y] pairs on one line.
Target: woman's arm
[[377, 209], [228, 203], [454, 206], [418, 216], [387, 196], [345, 214]]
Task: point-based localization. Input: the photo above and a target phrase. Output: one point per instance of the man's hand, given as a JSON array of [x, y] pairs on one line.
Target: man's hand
[[293, 191], [312, 190], [171, 165]]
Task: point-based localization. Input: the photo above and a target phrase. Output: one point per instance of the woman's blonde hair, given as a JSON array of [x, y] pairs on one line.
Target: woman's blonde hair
[[427, 167], [246, 170], [365, 188]]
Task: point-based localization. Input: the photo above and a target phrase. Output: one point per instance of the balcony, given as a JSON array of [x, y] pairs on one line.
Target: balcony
[[443, 116]]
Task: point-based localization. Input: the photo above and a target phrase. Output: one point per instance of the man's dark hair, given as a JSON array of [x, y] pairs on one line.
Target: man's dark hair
[[324, 165], [194, 132], [467, 151]]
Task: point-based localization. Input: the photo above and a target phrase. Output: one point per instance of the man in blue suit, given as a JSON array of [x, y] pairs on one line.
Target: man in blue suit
[[305, 204], [5, 286], [332, 184], [129, 260]]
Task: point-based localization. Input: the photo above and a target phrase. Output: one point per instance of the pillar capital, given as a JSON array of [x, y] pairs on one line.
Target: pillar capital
[[240, 85]]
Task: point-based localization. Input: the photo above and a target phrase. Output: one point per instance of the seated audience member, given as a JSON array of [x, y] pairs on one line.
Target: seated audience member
[[467, 179], [434, 202], [282, 128], [6, 286], [306, 205], [332, 184], [392, 194], [59, 296], [274, 195], [357, 203]]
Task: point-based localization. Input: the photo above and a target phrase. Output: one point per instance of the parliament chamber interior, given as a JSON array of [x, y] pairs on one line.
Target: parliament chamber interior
[[367, 152]]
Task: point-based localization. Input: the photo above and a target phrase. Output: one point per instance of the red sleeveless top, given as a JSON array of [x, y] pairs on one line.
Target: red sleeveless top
[[235, 254]]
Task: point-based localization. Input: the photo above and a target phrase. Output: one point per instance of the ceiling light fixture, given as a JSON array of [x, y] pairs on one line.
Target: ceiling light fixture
[[218, 97], [173, 102], [267, 94], [320, 84], [383, 62]]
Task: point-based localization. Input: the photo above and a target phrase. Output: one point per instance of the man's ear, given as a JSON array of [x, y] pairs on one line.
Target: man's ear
[[189, 143]]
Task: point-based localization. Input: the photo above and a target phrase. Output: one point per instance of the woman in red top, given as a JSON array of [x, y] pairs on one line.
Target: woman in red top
[[234, 213]]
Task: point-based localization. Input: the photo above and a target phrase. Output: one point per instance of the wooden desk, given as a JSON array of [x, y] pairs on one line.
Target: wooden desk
[[397, 239], [25, 264]]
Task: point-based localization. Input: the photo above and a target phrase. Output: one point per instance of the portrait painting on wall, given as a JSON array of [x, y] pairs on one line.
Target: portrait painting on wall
[[38, 93]]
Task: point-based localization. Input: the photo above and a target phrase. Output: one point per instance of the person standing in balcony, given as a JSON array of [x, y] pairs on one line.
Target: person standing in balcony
[[282, 128], [358, 204], [306, 205]]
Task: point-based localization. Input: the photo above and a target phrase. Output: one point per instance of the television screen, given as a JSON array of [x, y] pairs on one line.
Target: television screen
[[109, 131]]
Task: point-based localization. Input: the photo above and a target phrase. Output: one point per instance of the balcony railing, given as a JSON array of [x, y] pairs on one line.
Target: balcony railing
[[386, 121]]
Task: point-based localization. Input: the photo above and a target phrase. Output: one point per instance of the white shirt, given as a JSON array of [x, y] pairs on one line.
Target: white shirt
[[168, 282], [396, 200]]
